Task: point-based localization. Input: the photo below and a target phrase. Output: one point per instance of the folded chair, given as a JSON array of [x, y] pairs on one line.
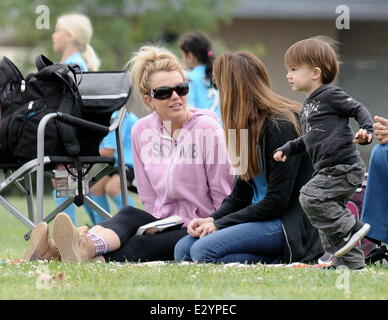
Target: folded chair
[[102, 94]]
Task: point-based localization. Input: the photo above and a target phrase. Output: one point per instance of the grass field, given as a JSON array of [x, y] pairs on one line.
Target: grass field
[[55, 280]]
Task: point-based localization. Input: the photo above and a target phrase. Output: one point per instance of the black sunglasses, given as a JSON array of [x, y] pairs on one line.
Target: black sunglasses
[[163, 93]]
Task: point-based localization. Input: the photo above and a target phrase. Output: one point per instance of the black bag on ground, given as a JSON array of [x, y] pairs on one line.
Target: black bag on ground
[[25, 101]]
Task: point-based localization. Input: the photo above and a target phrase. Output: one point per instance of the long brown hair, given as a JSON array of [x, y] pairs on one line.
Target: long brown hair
[[247, 101]]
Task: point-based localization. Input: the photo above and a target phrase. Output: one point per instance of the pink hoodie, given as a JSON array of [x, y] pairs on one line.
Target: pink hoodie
[[189, 177]]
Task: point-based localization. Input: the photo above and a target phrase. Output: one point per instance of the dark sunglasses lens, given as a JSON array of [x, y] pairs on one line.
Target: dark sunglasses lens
[[166, 92], [163, 93], [182, 89]]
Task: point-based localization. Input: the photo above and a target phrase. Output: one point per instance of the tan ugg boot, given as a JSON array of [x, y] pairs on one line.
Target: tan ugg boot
[[40, 246], [73, 244], [99, 259], [83, 229]]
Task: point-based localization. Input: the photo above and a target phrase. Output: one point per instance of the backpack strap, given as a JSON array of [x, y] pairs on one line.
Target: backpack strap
[[79, 199], [68, 133], [69, 101], [42, 62]]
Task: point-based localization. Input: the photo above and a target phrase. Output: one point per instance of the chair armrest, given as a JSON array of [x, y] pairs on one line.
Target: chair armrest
[[77, 122]]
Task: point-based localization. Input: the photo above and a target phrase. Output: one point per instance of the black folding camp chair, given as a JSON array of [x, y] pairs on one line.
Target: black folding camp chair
[[102, 94]]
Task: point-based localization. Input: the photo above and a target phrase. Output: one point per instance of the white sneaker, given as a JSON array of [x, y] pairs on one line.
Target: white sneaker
[[355, 234]]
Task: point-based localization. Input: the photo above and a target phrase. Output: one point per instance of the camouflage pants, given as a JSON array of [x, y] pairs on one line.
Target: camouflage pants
[[323, 199]]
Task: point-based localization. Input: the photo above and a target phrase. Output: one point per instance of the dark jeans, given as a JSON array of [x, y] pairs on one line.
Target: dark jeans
[[323, 199], [142, 248]]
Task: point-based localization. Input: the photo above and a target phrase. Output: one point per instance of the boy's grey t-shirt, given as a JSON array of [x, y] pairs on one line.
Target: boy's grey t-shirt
[[327, 135]]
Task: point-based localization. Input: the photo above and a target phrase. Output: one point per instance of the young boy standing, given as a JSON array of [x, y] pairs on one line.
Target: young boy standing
[[328, 139]]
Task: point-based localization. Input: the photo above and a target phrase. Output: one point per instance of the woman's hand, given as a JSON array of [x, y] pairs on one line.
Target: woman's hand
[[193, 226], [381, 129], [205, 229]]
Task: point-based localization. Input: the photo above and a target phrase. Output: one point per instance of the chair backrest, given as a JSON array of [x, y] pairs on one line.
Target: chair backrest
[[102, 93]]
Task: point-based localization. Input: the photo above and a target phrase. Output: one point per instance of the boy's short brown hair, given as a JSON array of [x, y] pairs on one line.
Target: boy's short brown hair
[[314, 52]]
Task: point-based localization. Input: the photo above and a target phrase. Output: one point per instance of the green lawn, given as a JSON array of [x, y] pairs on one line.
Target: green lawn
[[55, 280]]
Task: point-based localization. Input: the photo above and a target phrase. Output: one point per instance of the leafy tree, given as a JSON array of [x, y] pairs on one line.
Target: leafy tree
[[120, 26]]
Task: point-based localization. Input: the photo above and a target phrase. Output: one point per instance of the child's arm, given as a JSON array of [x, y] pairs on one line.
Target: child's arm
[[352, 108], [289, 149]]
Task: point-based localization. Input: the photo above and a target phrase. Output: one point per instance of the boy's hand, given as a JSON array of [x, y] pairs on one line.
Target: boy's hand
[[362, 136], [279, 156]]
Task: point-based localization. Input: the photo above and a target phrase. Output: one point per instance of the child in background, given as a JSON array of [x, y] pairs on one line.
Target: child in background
[[110, 184], [71, 38], [198, 56], [328, 139]]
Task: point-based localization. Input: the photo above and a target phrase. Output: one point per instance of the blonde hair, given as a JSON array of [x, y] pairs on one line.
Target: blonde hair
[[81, 28], [319, 51], [247, 102], [148, 60]]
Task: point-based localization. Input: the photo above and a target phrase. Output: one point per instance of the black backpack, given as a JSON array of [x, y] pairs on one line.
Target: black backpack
[[25, 101]]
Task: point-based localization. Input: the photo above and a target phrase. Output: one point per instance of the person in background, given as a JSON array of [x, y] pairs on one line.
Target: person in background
[[71, 39], [197, 53], [110, 184], [72, 36]]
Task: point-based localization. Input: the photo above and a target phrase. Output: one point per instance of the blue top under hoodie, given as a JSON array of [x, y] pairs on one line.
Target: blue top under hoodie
[[202, 94]]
